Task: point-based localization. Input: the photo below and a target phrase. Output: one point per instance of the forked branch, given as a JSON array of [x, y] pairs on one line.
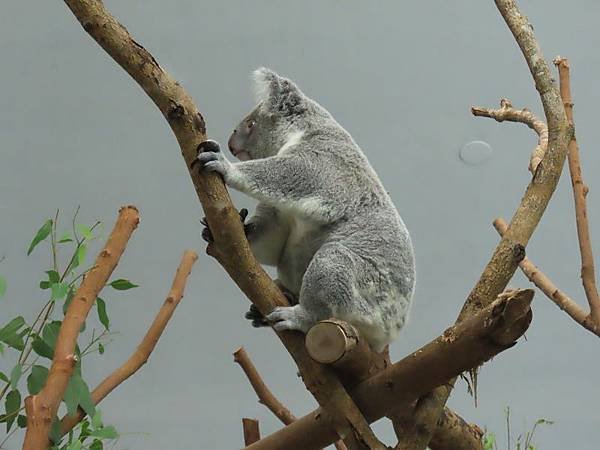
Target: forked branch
[[146, 346], [508, 113], [42, 407]]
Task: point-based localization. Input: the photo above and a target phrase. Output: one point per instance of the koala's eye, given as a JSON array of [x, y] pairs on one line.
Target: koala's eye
[[250, 124]]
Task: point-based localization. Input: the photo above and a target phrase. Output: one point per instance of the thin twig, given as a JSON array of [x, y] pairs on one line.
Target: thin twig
[[264, 394], [545, 284], [507, 112], [42, 407], [146, 346], [580, 191]]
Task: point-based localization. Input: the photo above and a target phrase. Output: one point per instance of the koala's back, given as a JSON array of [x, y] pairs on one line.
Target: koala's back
[[363, 260]]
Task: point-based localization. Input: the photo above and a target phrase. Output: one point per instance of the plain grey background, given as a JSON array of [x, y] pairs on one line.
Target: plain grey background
[[400, 76]]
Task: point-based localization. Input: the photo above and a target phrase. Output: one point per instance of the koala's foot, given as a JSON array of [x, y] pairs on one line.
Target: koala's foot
[[290, 318], [254, 315], [207, 234]]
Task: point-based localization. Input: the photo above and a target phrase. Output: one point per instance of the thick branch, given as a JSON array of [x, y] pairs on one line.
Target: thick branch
[[580, 190], [510, 250], [146, 346], [339, 343], [507, 112], [233, 251], [42, 407], [460, 348], [545, 284]]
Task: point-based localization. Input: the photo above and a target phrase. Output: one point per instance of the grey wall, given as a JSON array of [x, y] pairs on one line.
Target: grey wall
[[401, 76]]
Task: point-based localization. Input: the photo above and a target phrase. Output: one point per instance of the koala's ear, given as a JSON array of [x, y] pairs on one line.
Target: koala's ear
[[278, 95]]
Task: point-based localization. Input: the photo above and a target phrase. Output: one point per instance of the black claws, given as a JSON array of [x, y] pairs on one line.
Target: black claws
[[207, 234], [258, 320], [205, 146]]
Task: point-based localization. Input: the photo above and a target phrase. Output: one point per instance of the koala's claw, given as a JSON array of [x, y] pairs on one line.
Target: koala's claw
[[207, 234], [208, 146]]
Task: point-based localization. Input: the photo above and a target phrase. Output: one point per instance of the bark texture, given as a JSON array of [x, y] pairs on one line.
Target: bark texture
[[41, 408], [146, 346]]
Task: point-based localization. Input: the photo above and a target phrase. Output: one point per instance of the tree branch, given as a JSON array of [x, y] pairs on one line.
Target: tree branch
[[507, 112], [146, 346], [42, 407], [232, 248], [251, 431], [510, 250], [461, 347], [545, 284], [338, 343], [580, 191], [264, 394]]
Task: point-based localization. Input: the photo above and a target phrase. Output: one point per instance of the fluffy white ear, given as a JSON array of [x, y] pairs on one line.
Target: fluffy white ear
[[266, 82]]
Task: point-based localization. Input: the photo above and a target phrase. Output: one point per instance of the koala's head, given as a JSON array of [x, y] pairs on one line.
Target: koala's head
[[282, 109]]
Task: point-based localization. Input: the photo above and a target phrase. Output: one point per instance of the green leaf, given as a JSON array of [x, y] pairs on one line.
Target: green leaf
[[44, 284], [41, 348], [22, 421], [55, 432], [71, 396], [59, 290], [85, 399], [12, 404], [42, 234], [50, 333], [78, 394], [9, 334], [4, 378], [100, 348], [2, 286], [96, 445], [97, 420], [15, 375], [36, 379], [66, 237], [53, 276], [108, 432], [102, 316], [84, 230], [68, 300], [75, 445], [122, 284], [80, 256]]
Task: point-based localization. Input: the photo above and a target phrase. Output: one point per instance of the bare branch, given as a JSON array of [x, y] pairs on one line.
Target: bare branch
[[460, 348], [507, 112], [230, 245], [510, 250], [251, 431], [42, 407], [580, 191], [265, 396], [545, 284], [146, 346]]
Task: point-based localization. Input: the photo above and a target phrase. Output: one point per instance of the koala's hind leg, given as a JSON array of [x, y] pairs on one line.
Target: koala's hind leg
[[327, 290]]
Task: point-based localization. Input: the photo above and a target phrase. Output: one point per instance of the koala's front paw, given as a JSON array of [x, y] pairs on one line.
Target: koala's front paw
[[207, 234], [286, 318], [254, 315], [210, 158]]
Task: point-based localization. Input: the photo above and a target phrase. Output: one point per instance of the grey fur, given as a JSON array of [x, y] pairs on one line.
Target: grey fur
[[324, 219]]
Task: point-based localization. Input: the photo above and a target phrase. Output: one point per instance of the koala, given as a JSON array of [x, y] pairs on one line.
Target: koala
[[323, 218]]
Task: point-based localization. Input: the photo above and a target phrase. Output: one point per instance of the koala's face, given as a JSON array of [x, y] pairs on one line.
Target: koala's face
[[255, 136]]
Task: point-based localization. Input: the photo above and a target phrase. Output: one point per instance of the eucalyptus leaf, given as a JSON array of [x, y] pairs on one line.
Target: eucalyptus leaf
[[53, 276], [100, 348], [12, 404], [102, 316], [42, 348], [59, 291], [97, 420], [15, 375], [22, 421], [71, 396], [108, 432], [122, 284], [97, 445], [66, 237], [84, 230], [4, 378], [37, 379], [41, 234]]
